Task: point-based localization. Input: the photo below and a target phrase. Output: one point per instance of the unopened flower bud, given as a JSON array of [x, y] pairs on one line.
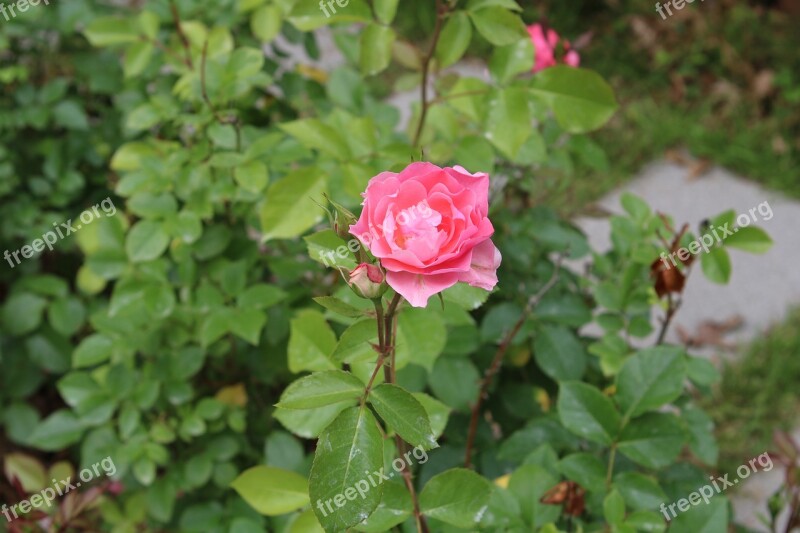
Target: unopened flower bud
[[368, 281], [341, 219]]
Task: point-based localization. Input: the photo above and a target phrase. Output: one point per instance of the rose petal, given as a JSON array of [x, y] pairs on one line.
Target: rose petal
[[486, 260], [417, 288]]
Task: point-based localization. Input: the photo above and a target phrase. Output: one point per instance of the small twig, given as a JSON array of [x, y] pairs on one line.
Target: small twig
[[494, 367], [672, 310], [181, 35], [441, 11]]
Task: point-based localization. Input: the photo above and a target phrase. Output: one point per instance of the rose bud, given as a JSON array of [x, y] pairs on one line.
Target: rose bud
[[341, 219], [368, 281]]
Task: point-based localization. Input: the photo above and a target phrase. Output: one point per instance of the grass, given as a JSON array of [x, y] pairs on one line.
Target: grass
[[758, 394]]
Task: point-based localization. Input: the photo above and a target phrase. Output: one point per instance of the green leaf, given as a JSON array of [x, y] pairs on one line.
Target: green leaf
[[305, 523], [559, 353], [528, 484], [107, 31], [92, 350], [289, 208], [315, 134], [421, 337], [455, 382], [585, 411], [260, 296], [266, 22], [466, 296], [585, 469], [498, 25], [716, 265], [22, 313], [438, 413], [509, 61], [458, 497], [581, 100], [321, 388], [310, 341], [307, 15], [750, 239], [509, 121], [215, 326], [29, 471], [272, 491], [355, 344], [339, 306], [653, 440], [404, 414], [146, 241], [706, 518], [309, 423], [56, 432], [646, 521], [394, 509], [348, 452], [614, 508], [376, 49], [649, 379], [247, 324], [454, 39], [330, 250], [252, 176], [640, 492], [702, 441], [385, 10], [137, 57]]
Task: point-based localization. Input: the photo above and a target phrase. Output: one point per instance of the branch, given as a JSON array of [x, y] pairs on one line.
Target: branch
[[494, 367], [182, 36], [441, 11]]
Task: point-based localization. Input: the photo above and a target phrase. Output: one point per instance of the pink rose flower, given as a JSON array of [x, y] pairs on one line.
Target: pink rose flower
[[545, 47], [429, 228]]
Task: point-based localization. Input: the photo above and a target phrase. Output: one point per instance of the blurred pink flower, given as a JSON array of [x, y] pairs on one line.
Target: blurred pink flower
[[545, 48]]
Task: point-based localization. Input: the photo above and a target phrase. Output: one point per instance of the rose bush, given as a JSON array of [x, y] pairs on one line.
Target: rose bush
[[198, 338], [427, 251]]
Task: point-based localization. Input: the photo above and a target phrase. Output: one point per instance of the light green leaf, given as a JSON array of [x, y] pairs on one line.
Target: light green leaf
[[454, 40], [289, 209], [404, 414], [750, 239], [313, 133], [716, 265], [339, 307], [421, 337], [266, 22], [107, 31], [438, 413], [272, 491], [385, 10], [585, 469], [146, 241], [92, 350], [581, 100], [320, 389], [614, 508], [252, 176], [509, 61], [376, 49], [498, 25], [508, 124], [310, 341], [355, 344], [22, 313], [56, 432]]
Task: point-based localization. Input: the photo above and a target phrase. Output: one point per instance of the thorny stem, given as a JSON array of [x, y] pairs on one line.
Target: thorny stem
[[387, 334], [672, 309], [441, 11], [494, 367]]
